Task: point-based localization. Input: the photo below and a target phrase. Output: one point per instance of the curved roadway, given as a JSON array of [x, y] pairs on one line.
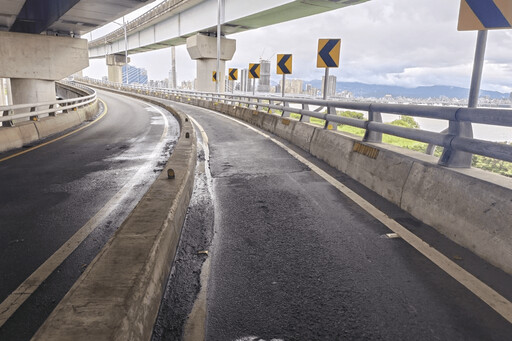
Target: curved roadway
[[79, 188], [293, 258]]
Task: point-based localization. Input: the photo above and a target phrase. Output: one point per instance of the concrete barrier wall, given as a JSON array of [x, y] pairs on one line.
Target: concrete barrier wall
[[25, 133], [118, 296], [470, 206]]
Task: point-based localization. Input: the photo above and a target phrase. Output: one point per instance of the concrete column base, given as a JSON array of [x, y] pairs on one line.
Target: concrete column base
[[203, 49], [115, 63], [25, 91], [204, 69], [115, 73]]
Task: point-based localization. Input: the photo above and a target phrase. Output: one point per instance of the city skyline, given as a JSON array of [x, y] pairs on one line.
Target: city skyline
[[390, 42]]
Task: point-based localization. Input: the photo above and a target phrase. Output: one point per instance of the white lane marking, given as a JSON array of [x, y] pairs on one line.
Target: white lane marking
[[27, 288], [496, 301]]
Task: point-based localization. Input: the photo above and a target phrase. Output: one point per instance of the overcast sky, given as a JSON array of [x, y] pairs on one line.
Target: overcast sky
[[396, 42]]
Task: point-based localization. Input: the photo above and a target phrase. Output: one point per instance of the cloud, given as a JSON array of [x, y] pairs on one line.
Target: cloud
[[399, 42]]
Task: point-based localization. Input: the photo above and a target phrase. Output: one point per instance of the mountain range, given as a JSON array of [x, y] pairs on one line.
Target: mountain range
[[434, 91]]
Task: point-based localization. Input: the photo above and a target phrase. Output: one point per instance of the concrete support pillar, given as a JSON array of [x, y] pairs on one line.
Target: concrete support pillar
[[115, 63], [32, 90], [203, 49], [33, 62], [3, 93]]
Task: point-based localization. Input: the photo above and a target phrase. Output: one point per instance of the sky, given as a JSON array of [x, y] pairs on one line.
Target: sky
[[395, 42]]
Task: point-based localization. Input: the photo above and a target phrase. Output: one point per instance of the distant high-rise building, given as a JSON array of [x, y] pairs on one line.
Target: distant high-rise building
[[331, 85], [244, 80], [135, 75], [264, 81], [292, 86]]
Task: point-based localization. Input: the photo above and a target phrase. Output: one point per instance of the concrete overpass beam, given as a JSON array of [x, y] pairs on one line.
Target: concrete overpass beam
[[34, 62], [115, 63], [203, 49]]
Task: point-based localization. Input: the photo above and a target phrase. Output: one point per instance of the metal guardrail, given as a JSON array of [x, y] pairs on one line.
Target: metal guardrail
[[33, 111], [457, 140]]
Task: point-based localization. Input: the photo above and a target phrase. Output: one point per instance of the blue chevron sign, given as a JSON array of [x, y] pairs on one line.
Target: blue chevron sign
[[328, 53], [485, 14]]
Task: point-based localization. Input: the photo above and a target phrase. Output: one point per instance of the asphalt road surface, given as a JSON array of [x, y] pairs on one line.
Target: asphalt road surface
[[292, 258], [89, 180]]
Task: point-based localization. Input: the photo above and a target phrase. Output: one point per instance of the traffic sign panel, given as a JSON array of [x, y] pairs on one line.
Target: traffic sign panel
[[284, 64], [485, 14], [254, 70], [328, 53], [233, 74], [214, 76]]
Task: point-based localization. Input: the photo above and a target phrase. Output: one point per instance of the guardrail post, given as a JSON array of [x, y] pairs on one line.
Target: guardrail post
[[332, 125], [52, 114], [305, 118], [286, 113], [373, 136], [451, 157], [8, 123], [431, 148], [33, 118]]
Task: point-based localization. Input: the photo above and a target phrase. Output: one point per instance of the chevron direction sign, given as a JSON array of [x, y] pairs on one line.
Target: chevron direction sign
[[233, 74], [214, 76], [485, 14], [254, 70], [328, 53], [284, 64]]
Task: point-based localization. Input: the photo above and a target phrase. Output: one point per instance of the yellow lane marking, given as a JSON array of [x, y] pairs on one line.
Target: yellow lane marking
[[496, 301], [9, 306], [60, 137]]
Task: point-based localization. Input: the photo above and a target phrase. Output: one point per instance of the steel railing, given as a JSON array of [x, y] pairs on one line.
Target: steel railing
[[457, 140], [34, 111]]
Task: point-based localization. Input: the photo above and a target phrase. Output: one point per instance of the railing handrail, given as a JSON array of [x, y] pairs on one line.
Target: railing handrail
[[455, 140], [7, 111]]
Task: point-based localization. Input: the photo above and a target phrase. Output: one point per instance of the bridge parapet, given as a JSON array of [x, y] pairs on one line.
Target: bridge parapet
[[470, 206]]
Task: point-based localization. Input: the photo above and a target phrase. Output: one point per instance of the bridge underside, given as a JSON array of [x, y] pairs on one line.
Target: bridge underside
[[174, 28]]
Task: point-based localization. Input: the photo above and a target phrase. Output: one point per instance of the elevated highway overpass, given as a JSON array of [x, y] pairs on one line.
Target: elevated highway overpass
[[194, 22], [41, 43]]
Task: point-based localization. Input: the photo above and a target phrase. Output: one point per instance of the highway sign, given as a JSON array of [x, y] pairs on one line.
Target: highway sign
[[328, 53], [214, 76], [284, 64], [233, 74], [485, 14], [254, 70]]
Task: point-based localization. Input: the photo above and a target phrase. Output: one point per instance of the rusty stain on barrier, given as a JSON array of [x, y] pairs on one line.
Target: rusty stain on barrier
[[366, 150]]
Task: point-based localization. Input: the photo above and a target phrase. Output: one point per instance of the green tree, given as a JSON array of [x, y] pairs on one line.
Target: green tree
[[407, 122]]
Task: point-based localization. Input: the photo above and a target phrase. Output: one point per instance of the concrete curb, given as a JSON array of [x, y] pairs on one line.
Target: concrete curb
[[30, 131], [469, 206], [118, 296]]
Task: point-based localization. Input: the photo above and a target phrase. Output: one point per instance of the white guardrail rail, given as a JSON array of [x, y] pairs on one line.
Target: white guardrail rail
[[457, 140], [35, 111]]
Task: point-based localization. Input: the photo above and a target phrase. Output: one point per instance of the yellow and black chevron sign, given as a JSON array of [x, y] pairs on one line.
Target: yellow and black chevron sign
[[485, 14], [214, 76]]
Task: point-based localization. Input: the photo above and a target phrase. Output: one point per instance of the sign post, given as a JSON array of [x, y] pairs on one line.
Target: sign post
[[284, 67], [254, 72], [328, 56], [475, 15]]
